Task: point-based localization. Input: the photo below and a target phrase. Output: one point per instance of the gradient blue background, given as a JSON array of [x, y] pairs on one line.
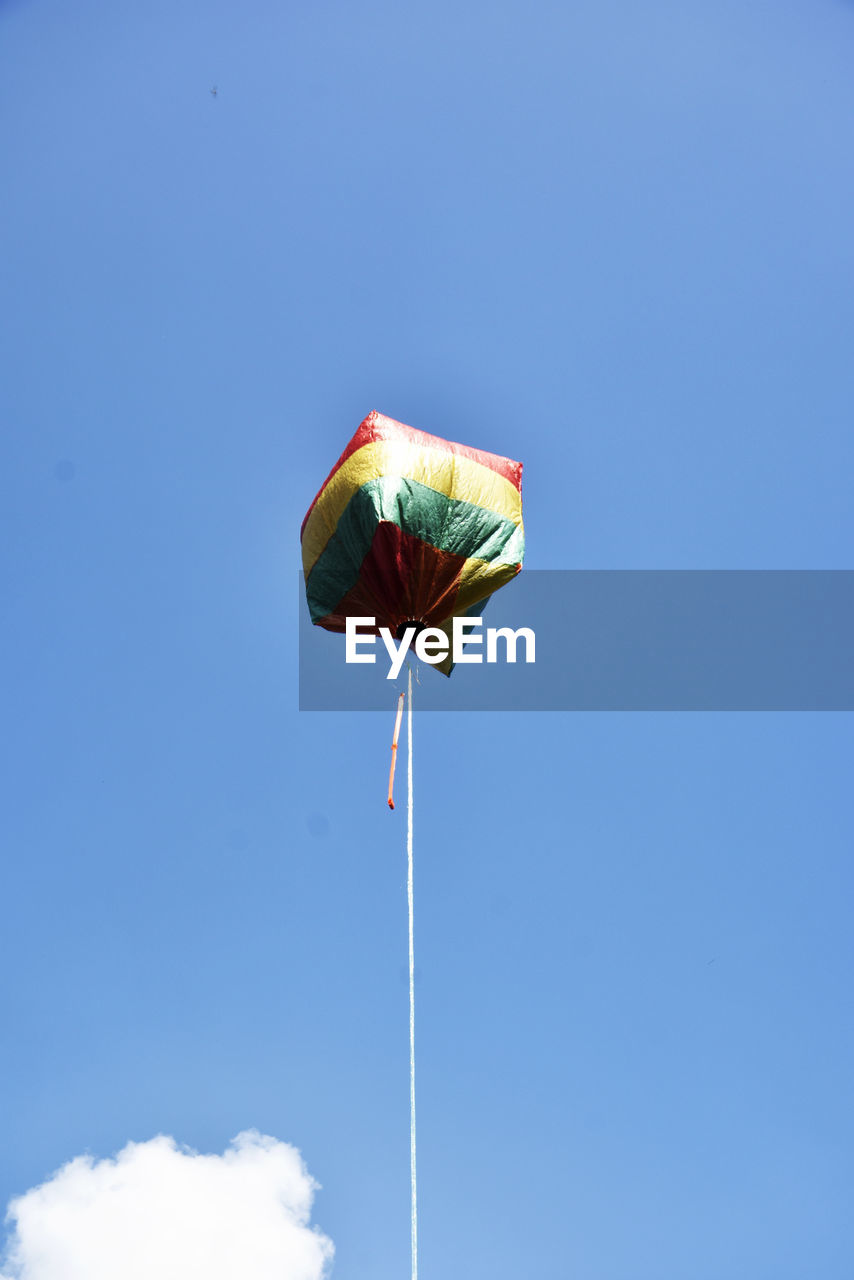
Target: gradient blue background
[[609, 239]]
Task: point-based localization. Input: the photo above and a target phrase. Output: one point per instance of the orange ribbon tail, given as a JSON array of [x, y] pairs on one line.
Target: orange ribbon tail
[[397, 721]]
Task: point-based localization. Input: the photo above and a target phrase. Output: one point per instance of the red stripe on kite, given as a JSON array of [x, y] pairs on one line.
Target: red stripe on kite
[[398, 570]]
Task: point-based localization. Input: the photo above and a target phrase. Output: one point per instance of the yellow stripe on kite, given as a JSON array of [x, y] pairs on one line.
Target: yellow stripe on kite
[[480, 578]]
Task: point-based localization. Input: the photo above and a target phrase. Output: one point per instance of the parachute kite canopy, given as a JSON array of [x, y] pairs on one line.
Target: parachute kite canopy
[[410, 528]]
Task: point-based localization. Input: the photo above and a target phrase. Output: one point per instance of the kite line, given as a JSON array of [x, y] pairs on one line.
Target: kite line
[[411, 901], [410, 897]]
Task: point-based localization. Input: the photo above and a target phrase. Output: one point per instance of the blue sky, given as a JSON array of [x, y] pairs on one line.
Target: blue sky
[[613, 241]]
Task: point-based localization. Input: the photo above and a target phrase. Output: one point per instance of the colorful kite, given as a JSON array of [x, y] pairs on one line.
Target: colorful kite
[[409, 528]]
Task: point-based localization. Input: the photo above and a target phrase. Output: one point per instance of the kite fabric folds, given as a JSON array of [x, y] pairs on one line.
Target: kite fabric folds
[[410, 528]]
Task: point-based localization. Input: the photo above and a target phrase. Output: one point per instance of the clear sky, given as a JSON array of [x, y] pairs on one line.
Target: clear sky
[[612, 240]]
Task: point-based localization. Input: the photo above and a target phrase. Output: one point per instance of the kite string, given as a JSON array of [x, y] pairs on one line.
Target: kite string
[[411, 901]]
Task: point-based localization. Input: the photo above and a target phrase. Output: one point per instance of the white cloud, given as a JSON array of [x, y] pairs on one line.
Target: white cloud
[[161, 1211]]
